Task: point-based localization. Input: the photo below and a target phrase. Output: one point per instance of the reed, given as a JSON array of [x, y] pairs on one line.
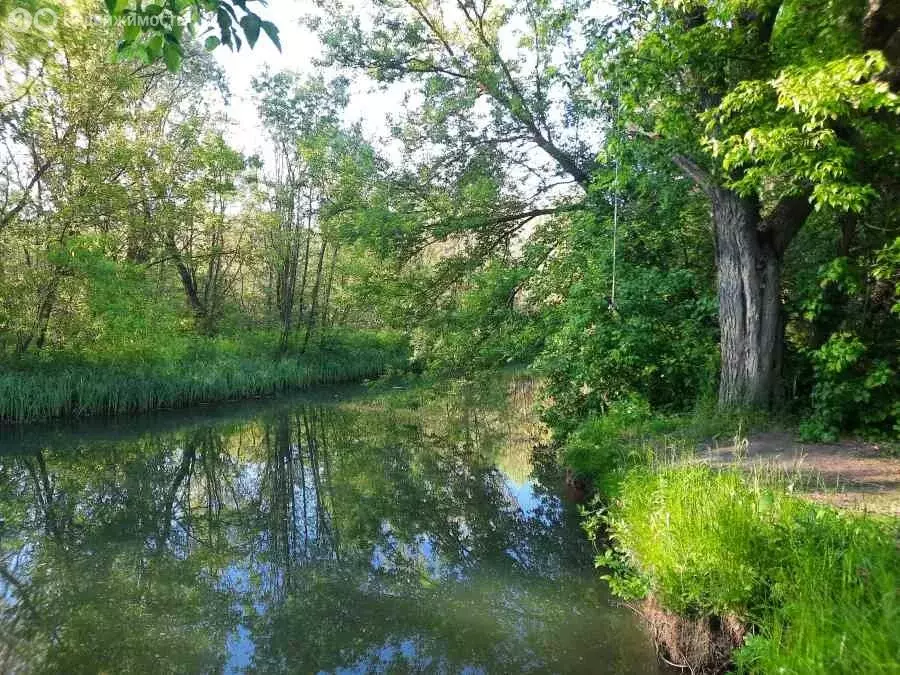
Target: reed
[[197, 371]]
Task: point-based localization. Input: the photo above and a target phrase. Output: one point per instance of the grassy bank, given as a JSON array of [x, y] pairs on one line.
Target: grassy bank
[[186, 372], [814, 588]]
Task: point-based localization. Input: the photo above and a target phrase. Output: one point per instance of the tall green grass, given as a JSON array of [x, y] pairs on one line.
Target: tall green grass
[[819, 586], [196, 371]]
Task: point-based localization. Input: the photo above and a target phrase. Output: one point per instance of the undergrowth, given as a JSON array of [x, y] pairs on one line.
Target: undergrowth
[[816, 586], [186, 372]]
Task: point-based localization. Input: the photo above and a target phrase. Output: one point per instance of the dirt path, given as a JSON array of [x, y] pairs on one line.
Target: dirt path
[[847, 474]]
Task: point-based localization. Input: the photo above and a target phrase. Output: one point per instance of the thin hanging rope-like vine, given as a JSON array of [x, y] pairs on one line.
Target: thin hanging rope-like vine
[[612, 295]]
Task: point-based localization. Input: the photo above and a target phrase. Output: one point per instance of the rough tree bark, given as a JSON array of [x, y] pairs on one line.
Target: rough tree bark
[[881, 30], [749, 257]]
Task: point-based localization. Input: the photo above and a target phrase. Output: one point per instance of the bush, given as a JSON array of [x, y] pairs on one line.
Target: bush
[[658, 343], [848, 345], [851, 391]]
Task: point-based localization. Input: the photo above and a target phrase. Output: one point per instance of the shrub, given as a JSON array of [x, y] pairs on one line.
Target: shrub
[[851, 390], [658, 343], [848, 340]]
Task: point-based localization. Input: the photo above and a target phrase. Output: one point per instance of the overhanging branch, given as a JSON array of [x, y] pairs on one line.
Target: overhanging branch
[[695, 172]]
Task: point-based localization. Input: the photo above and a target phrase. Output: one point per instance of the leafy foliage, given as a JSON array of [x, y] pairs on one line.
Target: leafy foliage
[[139, 248], [161, 30]]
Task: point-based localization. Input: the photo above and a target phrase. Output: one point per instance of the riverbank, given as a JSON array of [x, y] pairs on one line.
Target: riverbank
[[729, 565], [188, 372]]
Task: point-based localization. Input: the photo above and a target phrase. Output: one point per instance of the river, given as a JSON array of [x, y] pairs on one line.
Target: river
[[351, 531]]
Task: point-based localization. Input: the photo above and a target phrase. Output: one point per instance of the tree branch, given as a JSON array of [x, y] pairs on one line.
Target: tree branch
[[695, 172], [9, 215], [786, 219]]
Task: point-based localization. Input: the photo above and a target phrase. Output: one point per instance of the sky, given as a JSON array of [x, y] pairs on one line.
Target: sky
[[300, 47], [371, 105]]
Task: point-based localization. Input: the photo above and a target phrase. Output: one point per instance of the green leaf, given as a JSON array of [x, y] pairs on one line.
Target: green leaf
[[211, 43], [132, 31], [172, 57], [272, 31], [250, 24], [224, 21], [155, 46], [140, 52]]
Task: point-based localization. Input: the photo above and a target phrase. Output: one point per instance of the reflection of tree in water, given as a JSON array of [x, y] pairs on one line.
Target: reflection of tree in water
[[94, 577], [293, 503], [370, 537]]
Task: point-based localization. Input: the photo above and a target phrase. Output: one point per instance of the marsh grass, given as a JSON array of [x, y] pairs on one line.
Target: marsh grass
[[186, 373], [816, 586]]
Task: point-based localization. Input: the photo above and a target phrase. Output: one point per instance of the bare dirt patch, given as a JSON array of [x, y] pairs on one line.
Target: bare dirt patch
[[703, 646], [848, 474]]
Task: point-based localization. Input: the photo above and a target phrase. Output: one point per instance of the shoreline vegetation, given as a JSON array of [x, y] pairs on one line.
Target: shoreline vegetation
[[670, 206], [732, 570], [190, 372]]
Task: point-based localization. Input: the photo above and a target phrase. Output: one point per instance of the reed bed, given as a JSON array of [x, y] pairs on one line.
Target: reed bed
[[208, 372]]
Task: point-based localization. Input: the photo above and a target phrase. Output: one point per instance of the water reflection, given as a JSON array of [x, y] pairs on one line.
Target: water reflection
[[398, 533]]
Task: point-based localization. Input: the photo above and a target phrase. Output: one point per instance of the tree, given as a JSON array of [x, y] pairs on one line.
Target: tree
[[116, 175], [487, 102], [324, 174], [721, 90], [190, 205], [768, 109], [163, 31], [62, 156]]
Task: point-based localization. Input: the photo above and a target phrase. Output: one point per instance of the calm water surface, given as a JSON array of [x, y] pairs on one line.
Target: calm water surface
[[407, 531]]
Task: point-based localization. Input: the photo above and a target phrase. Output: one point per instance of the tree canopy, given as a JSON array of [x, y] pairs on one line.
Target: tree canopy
[[675, 200]]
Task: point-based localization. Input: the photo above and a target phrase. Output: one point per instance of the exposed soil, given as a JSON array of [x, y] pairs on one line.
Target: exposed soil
[[702, 645], [848, 474]]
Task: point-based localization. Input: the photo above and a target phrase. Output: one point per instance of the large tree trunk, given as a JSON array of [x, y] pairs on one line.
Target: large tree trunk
[[749, 257], [881, 30], [749, 277]]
